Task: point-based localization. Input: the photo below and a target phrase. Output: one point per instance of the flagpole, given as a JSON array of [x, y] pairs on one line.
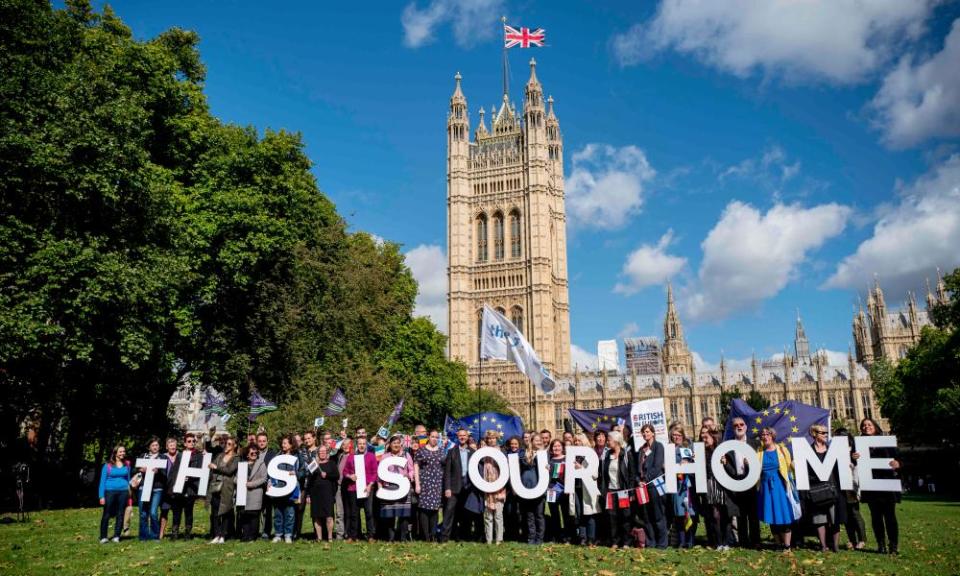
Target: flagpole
[[479, 388], [503, 20]]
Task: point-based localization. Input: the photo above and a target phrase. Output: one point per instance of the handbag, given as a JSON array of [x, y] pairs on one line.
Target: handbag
[[823, 493]]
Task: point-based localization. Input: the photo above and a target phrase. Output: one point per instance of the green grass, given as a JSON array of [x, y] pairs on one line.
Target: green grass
[[65, 542]]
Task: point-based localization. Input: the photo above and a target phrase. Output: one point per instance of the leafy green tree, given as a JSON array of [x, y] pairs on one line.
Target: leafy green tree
[[726, 397], [921, 396], [757, 401]]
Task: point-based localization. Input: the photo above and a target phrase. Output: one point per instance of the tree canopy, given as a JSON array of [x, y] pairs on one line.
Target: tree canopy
[[144, 242], [921, 395]]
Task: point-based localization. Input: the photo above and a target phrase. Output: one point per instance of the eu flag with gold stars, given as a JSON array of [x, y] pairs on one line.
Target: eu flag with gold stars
[[603, 419], [789, 418], [505, 425]]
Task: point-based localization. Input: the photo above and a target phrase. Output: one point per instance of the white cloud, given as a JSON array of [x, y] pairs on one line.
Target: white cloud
[[472, 20], [606, 186], [581, 359], [428, 264], [771, 169], [749, 257], [921, 100], [911, 238], [839, 41], [629, 330], [649, 265]]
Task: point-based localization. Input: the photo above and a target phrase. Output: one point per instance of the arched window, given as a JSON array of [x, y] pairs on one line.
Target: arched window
[[515, 234], [516, 316], [482, 238], [498, 236]]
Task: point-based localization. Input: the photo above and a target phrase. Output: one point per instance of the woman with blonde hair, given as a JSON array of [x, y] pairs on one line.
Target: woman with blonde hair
[[824, 506], [493, 501], [775, 489], [616, 477], [532, 508]]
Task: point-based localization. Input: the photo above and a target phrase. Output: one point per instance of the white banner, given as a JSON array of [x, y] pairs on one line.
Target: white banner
[[648, 412], [502, 341]]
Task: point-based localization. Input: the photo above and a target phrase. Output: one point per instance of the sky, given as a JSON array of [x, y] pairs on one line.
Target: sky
[[767, 158]]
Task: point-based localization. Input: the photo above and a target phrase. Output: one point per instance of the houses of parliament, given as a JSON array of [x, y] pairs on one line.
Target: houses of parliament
[[506, 245]]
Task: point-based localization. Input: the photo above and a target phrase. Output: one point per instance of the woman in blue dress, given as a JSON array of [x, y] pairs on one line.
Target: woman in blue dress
[[774, 500]]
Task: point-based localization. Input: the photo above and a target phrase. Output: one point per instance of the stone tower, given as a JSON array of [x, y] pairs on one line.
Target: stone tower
[[676, 356], [506, 235], [801, 345]]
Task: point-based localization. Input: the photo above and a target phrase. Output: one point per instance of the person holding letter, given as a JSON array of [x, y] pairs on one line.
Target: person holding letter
[[773, 491], [256, 484], [224, 468], [883, 505], [149, 511], [616, 482], [650, 467], [183, 501], [824, 499], [284, 507], [742, 506], [532, 508], [428, 484], [352, 500], [395, 514]]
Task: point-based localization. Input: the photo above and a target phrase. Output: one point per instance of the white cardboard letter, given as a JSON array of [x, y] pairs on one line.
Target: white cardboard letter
[[360, 469], [866, 465], [286, 477], [243, 472], [203, 473], [588, 474], [386, 472], [838, 454], [740, 451], [543, 479], [476, 472], [146, 485], [698, 467]]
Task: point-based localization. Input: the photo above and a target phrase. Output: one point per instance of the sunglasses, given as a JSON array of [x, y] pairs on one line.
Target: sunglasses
[[739, 425]]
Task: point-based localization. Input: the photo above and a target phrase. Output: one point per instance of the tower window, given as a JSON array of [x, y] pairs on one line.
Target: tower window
[[516, 316], [482, 238], [515, 234], [498, 236]]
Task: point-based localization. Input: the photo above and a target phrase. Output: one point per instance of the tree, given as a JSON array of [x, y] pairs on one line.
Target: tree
[[726, 398], [757, 401], [144, 242], [921, 396]]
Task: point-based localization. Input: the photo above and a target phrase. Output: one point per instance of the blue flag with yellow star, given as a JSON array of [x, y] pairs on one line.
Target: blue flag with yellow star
[[505, 425], [603, 419], [789, 418]]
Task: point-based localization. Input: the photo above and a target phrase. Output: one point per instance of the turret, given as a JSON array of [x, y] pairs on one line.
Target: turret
[[534, 116], [481, 125], [458, 128], [931, 300], [801, 345], [941, 289]]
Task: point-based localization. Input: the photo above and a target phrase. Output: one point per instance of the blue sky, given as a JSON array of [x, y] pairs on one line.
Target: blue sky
[[766, 157]]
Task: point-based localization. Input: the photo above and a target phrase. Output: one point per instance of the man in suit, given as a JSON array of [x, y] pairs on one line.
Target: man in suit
[[742, 506], [266, 455], [456, 487], [183, 502]]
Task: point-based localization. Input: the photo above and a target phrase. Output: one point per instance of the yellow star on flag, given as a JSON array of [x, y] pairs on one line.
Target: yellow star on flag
[[776, 410], [793, 418], [500, 426], [755, 429], [593, 425], [759, 420], [787, 411], [795, 429], [766, 412]]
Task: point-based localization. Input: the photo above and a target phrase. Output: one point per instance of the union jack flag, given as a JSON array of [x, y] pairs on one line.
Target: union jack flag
[[523, 37]]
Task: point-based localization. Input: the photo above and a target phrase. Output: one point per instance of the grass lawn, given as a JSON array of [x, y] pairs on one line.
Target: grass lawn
[[65, 542]]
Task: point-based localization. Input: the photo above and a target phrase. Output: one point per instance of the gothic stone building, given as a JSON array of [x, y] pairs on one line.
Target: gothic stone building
[[506, 243], [506, 234]]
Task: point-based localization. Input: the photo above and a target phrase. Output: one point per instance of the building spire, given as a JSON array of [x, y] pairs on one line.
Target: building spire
[[941, 288], [801, 345], [677, 358]]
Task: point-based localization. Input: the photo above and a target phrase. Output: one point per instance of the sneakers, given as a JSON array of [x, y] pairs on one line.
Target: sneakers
[[217, 540], [277, 539], [288, 539], [104, 540], [115, 539]]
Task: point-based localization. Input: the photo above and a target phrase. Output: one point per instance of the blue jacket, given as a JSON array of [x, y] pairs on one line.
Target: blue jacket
[[114, 479]]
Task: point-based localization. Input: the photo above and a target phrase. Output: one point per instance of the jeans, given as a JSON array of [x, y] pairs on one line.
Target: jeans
[[114, 503], [587, 529], [493, 523], [284, 513], [536, 523], [150, 517]]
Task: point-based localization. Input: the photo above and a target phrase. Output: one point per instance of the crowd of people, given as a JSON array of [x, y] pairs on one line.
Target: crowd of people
[[630, 509]]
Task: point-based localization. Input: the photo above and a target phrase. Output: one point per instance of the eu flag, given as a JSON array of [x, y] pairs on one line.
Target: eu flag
[[603, 419], [789, 418], [505, 425]]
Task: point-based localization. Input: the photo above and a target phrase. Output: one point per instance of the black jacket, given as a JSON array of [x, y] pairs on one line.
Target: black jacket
[[653, 465], [625, 474], [453, 473], [192, 485]]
